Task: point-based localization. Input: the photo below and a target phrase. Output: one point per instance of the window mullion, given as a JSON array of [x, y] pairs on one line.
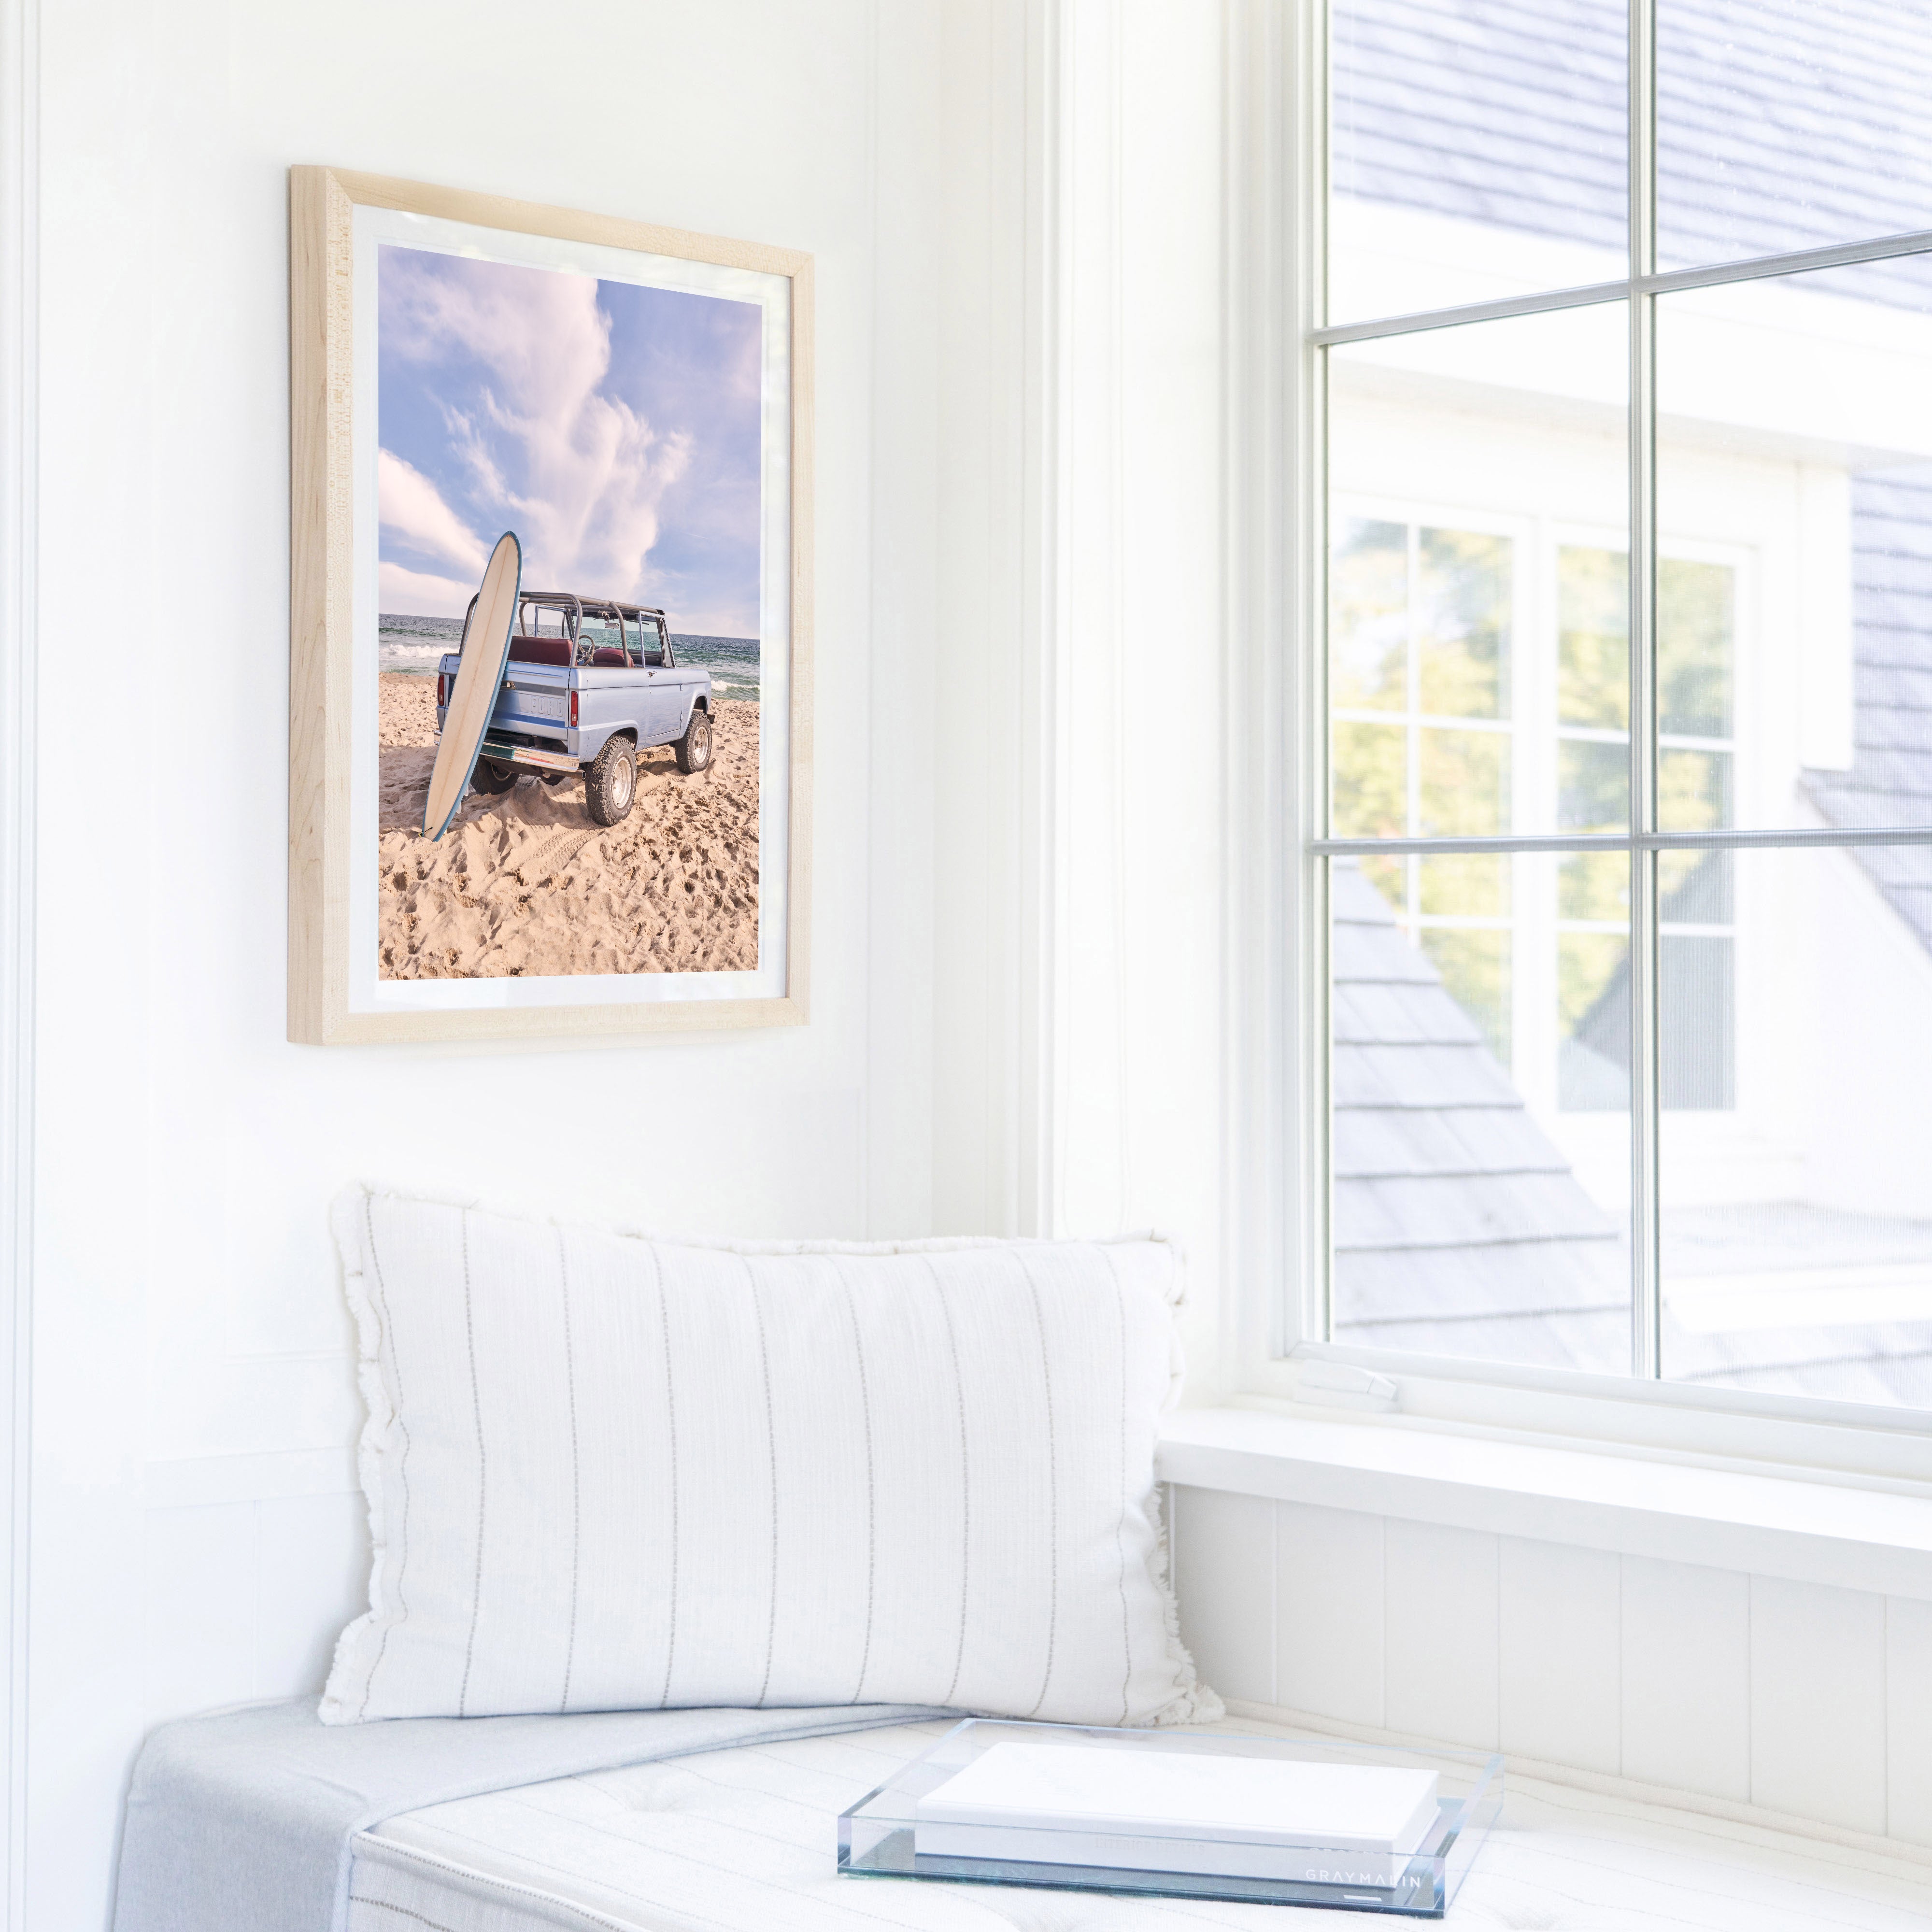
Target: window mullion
[[1645, 1247]]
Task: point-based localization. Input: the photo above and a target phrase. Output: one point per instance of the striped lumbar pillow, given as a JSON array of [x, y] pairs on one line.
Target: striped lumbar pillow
[[606, 1472]]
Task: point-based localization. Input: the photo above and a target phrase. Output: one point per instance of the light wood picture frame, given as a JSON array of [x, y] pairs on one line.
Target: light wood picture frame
[[364, 889]]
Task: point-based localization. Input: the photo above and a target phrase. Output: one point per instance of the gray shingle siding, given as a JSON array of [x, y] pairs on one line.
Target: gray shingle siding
[[1780, 126]]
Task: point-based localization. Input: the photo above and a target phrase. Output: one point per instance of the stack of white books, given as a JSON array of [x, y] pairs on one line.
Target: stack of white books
[[1147, 1809]]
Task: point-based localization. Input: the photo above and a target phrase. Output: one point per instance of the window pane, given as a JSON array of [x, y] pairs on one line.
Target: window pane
[[1796, 1210], [1371, 781], [1474, 152], [1594, 782], [1463, 463], [1794, 676], [1695, 635], [1593, 1003], [1593, 637], [1478, 1212], [1463, 626], [1789, 123], [1462, 885], [1694, 889], [1369, 616], [1474, 964], [1465, 784], [1594, 886]]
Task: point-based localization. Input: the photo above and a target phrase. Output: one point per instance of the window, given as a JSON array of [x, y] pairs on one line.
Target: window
[[1624, 862], [601, 630]]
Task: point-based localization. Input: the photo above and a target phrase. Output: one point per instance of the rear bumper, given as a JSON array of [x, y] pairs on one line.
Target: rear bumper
[[527, 756]]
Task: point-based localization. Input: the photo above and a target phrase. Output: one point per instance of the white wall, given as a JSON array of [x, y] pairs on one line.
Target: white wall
[[1017, 875], [195, 1539]]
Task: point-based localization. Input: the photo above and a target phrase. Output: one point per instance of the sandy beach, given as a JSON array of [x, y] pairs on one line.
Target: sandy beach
[[526, 883]]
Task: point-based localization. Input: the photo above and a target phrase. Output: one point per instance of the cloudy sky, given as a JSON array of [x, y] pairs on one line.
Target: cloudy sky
[[615, 429]]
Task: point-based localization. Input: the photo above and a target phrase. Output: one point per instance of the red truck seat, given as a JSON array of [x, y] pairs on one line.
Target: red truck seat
[[540, 650], [608, 654]]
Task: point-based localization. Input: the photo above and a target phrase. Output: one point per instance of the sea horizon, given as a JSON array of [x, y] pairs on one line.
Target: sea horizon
[[413, 646]]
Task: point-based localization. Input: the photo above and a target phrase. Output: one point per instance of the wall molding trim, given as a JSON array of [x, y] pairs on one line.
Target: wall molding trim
[[19, 186], [1265, 406], [1043, 507]]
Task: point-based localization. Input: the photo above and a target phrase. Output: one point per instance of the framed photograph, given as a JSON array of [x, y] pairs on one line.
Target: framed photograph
[[550, 711]]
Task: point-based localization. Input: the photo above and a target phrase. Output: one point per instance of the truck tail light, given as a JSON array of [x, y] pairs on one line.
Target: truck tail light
[[573, 708], [441, 689]]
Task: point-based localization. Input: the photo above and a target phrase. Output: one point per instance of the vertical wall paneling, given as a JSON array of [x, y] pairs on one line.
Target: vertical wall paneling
[[311, 1571], [1687, 1677], [901, 573], [1559, 1653], [1329, 1594], [199, 1608], [19, 738], [1908, 1721], [1799, 1698], [1817, 1694], [1224, 1569], [1441, 1620]]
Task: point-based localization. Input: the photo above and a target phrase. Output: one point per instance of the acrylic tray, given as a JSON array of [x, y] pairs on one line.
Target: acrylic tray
[[876, 1835]]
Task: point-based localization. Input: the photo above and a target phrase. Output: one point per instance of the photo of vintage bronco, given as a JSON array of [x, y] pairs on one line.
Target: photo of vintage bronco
[[587, 686]]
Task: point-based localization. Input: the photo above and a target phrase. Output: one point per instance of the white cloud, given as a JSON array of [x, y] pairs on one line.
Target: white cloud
[[408, 503], [579, 474], [415, 593]]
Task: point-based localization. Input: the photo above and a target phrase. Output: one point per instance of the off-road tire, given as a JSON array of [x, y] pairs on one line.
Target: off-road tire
[[611, 782], [694, 748], [492, 778]]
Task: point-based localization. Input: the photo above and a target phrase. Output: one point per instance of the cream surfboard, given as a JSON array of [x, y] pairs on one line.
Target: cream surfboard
[[486, 649]]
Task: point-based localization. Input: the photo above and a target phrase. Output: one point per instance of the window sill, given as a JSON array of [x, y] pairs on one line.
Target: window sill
[[1776, 1526]]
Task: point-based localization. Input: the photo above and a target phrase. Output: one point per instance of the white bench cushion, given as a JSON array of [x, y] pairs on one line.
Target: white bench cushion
[[742, 1840]]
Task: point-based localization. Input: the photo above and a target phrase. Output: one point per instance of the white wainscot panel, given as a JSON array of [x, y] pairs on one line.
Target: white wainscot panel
[[312, 1577], [1441, 1611], [1908, 1728], [245, 1599], [1328, 1591], [1687, 1677], [1817, 1690], [1558, 1648], [200, 1609], [1224, 1567]]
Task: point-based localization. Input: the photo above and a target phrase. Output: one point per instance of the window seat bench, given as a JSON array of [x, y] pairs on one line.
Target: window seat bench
[[743, 1838]]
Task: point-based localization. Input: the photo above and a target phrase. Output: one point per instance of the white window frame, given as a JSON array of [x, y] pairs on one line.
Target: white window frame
[[1277, 469]]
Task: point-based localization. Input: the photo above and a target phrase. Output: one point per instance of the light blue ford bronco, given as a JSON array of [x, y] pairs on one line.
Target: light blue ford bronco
[[589, 685]]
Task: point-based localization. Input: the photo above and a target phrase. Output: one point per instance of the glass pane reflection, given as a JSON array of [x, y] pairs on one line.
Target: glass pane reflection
[[1794, 485], [1463, 462], [1796, 1209], [1474, 152], [1789, 123], [1480, 1076]]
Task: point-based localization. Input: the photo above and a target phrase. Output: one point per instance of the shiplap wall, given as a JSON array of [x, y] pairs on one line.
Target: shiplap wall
[[1797, 1697]]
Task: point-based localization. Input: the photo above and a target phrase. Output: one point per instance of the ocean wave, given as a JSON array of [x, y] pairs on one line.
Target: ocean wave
[[415, 647]]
